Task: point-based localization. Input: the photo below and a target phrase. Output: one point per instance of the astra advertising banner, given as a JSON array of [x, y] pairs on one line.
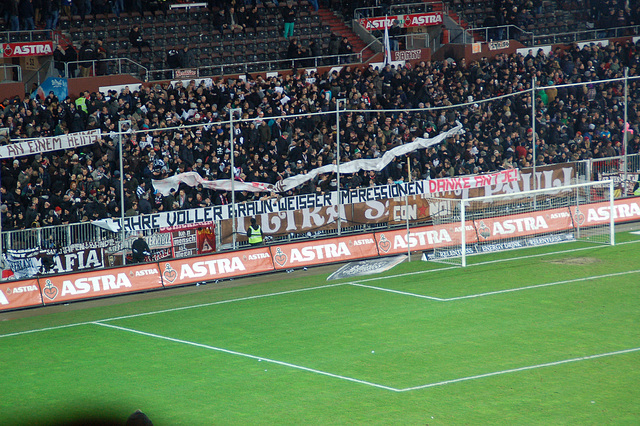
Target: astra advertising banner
[[99, 283], [317, 252], [19, 294], [31, 48], [488, 229], [422, 238], [404, 21], [217, 266], [500, 232], [625, 210]]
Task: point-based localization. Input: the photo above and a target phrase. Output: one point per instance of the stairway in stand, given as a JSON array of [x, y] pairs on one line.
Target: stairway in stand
[[337, 26]]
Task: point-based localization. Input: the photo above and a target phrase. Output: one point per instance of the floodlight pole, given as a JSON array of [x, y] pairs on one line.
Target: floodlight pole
[[121, 124], [338, 163], [233, 174]]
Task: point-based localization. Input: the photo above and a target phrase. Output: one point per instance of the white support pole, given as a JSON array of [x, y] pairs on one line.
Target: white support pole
[[233, 175], [338, 163], [625, 130], [533, 128], [406, 208], [612, 233], [121, 125], [463, 232]]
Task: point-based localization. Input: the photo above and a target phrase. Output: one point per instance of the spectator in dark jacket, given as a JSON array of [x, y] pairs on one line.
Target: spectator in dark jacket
[[135, 37], [88, 54], [14, 15], [27, 15], [51, 14], [59, 58], [71, 56]]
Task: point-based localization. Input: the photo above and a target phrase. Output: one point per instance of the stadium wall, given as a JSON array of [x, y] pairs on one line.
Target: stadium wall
[[267, 259], [11, 90]]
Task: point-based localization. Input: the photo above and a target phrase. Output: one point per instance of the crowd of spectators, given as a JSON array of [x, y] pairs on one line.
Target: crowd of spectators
[[614, 13], [572, 123]]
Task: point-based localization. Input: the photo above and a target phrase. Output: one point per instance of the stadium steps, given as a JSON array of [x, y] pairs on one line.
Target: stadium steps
[[338, 27]]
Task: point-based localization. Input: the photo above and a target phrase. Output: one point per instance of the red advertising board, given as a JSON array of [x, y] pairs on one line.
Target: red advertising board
[[489, 229], [105, 282], [423, 238], [625, 210], [317, 252], [217, 266], [32, 48], [19, 294], [404, 21], [521, 225]]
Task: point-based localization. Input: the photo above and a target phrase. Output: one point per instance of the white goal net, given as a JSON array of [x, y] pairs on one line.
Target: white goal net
[[525, 219]]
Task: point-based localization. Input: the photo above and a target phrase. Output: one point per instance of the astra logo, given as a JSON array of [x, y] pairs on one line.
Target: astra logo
[[512, 226], [325, 251], [211, 267], [96, 284]]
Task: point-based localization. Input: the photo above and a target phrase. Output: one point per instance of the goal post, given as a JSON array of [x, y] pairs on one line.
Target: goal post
[[581, 212]]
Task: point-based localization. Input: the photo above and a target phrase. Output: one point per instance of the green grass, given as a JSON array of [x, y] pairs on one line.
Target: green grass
[[374, 337]]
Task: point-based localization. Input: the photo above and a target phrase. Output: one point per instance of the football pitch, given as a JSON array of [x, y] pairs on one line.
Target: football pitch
[[538, 339]]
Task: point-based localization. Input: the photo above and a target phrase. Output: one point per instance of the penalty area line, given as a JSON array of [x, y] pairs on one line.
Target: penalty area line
[[259, 358], [404, 293], [182, 308], [529, 287], [492, 293], [516, 370]]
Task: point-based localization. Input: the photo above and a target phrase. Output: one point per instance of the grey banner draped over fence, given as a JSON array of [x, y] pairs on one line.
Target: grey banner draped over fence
[[193, 179]]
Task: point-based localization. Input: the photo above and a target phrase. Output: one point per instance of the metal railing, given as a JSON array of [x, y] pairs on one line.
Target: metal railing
[[503, 32], [399, 9], [39, 75], [112, 66], [260, 66], [530, 39], [63, 235], [10, 72], [26, 36], [586, 35], [86, 233]]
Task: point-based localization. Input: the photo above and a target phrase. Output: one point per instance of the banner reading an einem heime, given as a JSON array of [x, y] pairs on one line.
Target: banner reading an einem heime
[[52, 143]]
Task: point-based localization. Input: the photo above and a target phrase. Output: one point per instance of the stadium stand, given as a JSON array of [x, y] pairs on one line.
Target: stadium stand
[[80, 185]]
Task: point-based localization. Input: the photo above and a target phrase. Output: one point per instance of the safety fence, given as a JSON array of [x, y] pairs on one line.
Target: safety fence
[[46, 290]]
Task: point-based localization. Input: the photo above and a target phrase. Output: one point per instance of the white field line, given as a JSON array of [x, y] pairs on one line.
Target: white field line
[[489, 262], [259, 358], [509, 290], [491, 293], [57, 327], [404, 293], [363, 382], [515, 370], [304, 289], [220, 302]]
